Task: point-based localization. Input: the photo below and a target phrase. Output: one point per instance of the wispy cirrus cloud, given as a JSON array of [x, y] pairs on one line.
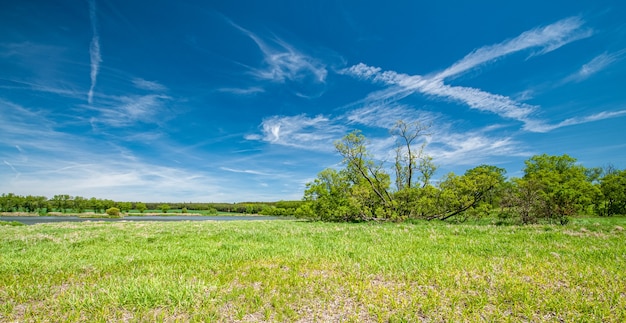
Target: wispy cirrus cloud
[[381, 108], [242, 91], [245, 171], [594, 66], [404, 85], [545, 39], [541, 126], [94, 50], [283, 63], [445, 144], [126, 110], [300, 131], [385, 116], [148, 85]]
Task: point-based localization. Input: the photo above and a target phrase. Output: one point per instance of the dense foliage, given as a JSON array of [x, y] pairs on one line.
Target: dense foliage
[[553, 188], [10, 202]]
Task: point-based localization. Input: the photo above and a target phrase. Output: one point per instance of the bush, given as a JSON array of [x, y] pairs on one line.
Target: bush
[[113, 211]]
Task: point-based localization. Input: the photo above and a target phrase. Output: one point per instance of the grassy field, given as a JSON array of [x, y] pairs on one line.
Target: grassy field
[[302, 271]]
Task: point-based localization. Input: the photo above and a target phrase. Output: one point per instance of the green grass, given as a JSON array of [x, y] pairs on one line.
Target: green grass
[[302, 271], [11, 223]]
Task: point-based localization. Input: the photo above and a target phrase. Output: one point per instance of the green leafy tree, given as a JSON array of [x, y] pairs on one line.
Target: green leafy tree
[[327, 197], [362, 170], [66, 203], [57, 203], [564, 187], [613, 188], [141, 207], [164, 207], [79, 204], [125, 206], [468, 195], [521, 198], [97, 205]]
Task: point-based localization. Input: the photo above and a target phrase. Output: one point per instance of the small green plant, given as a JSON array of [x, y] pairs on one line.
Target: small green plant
[[184, 210], [113, 211]]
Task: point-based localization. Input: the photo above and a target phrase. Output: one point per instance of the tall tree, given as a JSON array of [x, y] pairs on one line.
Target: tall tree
[[408, 157], [360, 166]]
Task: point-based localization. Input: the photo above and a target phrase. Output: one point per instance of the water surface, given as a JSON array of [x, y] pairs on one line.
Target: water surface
[[55, 219]]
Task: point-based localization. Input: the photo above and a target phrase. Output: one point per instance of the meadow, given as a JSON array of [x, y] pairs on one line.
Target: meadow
[[302, 271]]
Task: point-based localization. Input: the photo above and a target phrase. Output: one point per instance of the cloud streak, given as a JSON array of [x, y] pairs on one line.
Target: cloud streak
[[284, 64], [546, 39], [94, 50], [148, 85], [594, 66], [405, 85]]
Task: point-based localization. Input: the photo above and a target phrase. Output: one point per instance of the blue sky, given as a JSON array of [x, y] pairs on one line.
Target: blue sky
[[226, 101]]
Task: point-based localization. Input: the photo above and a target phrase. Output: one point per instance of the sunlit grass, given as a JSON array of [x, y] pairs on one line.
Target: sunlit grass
[[301, 271]]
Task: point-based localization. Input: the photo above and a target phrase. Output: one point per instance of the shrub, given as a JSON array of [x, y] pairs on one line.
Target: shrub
[[113, 211]]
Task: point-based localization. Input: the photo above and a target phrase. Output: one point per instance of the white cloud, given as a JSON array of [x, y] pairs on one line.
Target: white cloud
[[246, 171], [405, 85], [471, 148], [385, 116], [149, 85], [285, 64], [126, 110], [242, 91], [539, 126], [380, 109], [94, 50], [546, 38], [594, 66], [301, 131]]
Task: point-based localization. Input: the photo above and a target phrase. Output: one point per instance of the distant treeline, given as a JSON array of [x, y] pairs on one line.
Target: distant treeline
[[10, 202]]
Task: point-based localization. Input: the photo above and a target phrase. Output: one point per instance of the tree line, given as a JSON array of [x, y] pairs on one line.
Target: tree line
[[553, 188], [64, 203]]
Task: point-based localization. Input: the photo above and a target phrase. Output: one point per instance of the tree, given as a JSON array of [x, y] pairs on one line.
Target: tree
[[80, 204], [521, 198], [164, 207], [468, 194], [408, 159], [328, 197], [564, 187], [613, 188], [96, 205], [66, 202], [57, 202], [125, 206], [361, 167], [141, 207]]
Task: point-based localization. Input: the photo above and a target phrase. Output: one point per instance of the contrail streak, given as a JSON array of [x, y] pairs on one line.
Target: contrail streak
[[94, 50]]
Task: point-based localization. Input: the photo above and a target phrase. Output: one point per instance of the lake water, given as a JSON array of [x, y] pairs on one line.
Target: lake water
[[55, 219]]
